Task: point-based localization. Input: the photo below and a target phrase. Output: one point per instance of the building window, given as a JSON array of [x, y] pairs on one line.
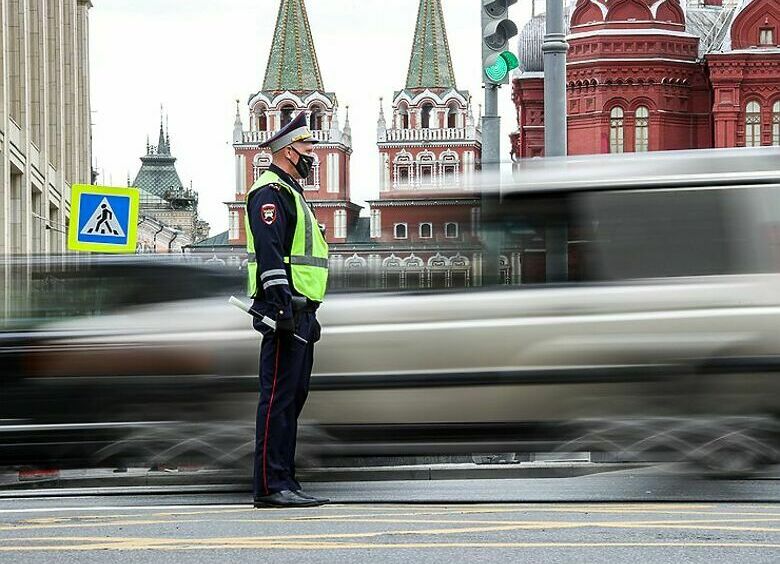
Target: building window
[[449, 166], [766, 36], [451, 230], [753, 125], [476, 218], [426, 115], [776, 124], [262, 121], [235, 232], [260, 164], [403, 170], [340, 224], [642, 128], [426, 166], [376, 224], [426, 231], [452, 116], [616, 130], [403, 116], [287, 115], [312, 182], [315, 119], [401, 231]]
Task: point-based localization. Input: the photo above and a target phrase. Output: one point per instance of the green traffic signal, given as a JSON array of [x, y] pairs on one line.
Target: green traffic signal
[[499, 65]]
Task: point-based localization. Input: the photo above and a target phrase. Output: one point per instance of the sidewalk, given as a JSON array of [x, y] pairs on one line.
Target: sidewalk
[[134, 477]]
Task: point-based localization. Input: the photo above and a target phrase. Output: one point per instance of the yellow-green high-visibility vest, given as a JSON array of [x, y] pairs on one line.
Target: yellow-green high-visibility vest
[[308, 258]]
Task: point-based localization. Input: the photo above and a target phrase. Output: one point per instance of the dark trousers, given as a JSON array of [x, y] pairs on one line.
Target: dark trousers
[[285, 372]]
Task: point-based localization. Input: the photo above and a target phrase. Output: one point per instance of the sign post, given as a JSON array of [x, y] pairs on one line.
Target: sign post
[[103, 219]]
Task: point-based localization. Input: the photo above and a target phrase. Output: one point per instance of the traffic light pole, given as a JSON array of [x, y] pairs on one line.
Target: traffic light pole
[[554, 49], [491, 164], [491, 128], [498, 61]]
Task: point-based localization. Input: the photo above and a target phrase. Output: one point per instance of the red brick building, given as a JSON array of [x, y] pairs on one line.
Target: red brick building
[[293, 84], [418, 233], [648, 75], [421, 231]]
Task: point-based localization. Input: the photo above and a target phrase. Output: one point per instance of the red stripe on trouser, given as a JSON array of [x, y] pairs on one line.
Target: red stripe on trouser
[[268, 416]]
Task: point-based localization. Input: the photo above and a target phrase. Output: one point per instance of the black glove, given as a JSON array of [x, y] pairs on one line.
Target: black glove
[[286, 325]]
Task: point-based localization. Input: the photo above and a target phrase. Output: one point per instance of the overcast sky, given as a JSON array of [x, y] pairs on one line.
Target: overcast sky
[[196, 57]]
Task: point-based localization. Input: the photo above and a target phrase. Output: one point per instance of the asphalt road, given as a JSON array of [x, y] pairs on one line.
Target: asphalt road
[[399, 522]]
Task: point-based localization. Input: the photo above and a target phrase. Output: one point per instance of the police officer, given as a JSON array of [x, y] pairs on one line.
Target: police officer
[[288, 273]]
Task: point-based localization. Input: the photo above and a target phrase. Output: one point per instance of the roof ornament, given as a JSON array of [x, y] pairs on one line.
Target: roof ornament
[[167, 135], [335, 129], [161, 141], [430, 64], [347, 137], [381, 123], [238, 127], [292, 62]]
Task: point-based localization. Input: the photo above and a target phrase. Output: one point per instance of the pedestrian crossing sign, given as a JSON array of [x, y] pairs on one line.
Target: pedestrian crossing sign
[[103, 219]]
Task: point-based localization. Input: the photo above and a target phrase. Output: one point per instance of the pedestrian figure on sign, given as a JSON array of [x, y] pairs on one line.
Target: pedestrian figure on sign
[[105, 217]]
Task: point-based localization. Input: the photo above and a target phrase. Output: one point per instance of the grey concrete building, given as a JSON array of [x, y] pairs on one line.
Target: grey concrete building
[[45, 137]]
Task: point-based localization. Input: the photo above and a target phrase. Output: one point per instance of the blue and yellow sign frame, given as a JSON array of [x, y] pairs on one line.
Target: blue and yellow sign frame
[[86, 203]]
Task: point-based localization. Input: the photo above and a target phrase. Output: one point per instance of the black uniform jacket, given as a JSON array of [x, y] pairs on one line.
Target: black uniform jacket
[[272, 218]]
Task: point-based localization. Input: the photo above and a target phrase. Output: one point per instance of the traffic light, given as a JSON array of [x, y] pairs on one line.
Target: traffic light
[[497, 30]]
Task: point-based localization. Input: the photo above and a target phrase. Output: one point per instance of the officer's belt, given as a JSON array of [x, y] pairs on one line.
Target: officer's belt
[[302, 303]]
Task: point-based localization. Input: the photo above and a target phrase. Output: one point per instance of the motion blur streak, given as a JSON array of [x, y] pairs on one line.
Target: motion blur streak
[[657, 339]]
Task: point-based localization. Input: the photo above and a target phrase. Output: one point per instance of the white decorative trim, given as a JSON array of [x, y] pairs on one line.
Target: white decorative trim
[[318, 97], [353, 261], [448, 96], [630, 33], [632, 60]]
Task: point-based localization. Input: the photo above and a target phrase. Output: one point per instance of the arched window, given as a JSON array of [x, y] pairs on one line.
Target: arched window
[[426, 115], [401, 231], [426, 169], [449, 165], [776, 124], [403, 116], [312, 182], [452, 115], [260, 163], [287, 115], [315, 119], [403, 170], [616, 130], [753, 124], [451, 230], [262, 119], [766, 36], [426, 231], [642, 128]]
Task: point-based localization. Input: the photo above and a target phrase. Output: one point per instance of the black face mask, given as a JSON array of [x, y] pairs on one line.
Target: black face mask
[[304, 164]]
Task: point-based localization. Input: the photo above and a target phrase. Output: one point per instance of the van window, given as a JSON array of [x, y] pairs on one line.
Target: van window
[[657, 233]]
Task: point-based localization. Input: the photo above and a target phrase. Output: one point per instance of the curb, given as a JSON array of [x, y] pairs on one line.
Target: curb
[[108, 478]]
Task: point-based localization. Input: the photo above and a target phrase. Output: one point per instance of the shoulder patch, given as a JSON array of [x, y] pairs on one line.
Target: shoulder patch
[[269, 213]]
